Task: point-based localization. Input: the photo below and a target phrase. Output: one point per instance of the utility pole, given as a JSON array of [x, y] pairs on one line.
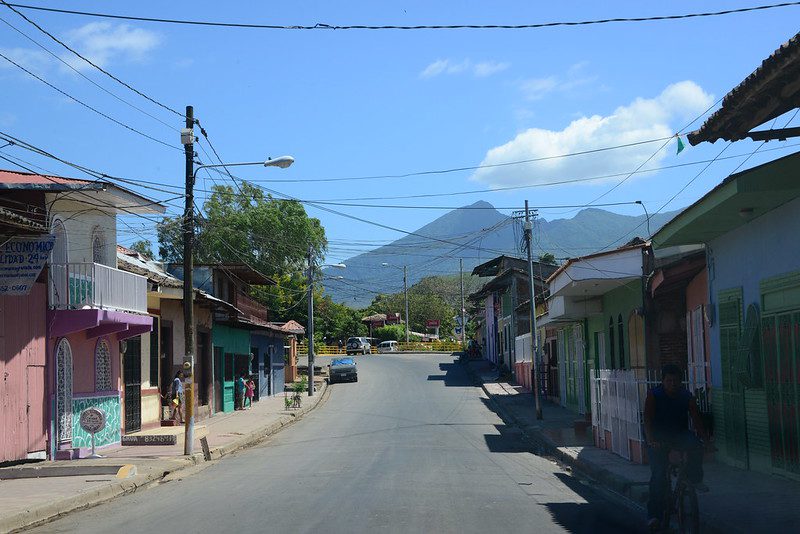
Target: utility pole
[[463, 323], [187, 138], [310, 321], [405, 292], [534, 341]]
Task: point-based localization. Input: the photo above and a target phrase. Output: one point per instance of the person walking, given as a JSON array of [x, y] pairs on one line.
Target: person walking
[[239, 391], [250, 392], [176, 397]]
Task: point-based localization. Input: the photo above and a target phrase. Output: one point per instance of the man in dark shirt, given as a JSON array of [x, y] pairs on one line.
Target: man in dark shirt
[[666, 416]]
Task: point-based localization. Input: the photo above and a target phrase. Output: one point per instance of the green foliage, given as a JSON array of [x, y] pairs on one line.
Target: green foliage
[[143, 247], [547, 258], [246, 225], [421, 308], [301, 386], [390, 332]]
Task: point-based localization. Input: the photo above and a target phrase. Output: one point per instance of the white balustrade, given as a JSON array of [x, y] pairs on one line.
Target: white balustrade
[[79, 285]]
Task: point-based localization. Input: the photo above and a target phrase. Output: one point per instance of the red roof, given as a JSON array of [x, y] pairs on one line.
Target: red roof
[[12, 178]]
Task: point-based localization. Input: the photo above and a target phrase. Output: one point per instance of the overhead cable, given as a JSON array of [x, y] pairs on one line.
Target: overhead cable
[[324, 26]]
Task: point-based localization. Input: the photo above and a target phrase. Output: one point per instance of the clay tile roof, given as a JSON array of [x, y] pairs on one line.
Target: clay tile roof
[[768, 92]]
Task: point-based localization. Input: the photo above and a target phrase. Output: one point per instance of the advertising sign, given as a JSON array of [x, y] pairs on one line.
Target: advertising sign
[[432, 323], [21, 261]]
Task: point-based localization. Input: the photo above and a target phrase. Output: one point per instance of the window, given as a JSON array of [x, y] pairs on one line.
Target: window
[[102, 366], [98, 246], [621, 341]]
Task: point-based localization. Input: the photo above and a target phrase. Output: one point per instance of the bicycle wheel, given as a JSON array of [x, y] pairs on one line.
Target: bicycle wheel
[[688, 511]]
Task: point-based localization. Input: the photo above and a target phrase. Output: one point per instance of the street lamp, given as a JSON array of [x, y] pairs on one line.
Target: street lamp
[[187, 138], [405, 290], [311, 314]]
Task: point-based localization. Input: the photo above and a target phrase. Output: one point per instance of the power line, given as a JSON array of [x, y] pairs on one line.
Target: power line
[[101, 69], [87, 106], [543, 184], [473, 167], [82, 75], [323, 26]]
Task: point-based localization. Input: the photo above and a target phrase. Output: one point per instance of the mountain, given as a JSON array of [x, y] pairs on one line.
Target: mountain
[[475, 234]]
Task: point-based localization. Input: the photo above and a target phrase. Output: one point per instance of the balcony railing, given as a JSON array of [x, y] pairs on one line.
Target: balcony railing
[[250, 307], [79, 285]]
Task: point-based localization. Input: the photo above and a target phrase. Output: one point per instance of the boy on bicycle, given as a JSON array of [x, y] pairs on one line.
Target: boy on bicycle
[[666, 413]]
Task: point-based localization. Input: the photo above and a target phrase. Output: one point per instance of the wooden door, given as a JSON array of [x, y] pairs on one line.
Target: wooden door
[[37, 433]]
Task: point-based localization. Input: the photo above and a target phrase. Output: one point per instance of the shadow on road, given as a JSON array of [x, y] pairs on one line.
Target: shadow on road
[[454, 376]]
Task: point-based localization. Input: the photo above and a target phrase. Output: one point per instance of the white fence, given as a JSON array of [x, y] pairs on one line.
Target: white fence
[[618, 397], [78, 285]]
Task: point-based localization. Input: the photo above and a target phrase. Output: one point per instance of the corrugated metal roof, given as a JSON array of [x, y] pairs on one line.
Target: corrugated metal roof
[[768, 92], [26, 180], [112, 195]]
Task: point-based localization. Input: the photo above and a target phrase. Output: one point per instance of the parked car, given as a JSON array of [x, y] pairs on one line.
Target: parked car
[[341, 370], [388, 346], [358, 345]]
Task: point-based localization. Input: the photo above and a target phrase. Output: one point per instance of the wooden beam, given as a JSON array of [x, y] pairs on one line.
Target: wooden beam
[[781, 134]]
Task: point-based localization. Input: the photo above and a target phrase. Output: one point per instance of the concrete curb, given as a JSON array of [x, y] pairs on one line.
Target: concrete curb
[[51, 511], [633, 493]]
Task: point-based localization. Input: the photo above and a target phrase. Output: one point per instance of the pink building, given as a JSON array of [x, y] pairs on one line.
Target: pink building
[[91, 307]]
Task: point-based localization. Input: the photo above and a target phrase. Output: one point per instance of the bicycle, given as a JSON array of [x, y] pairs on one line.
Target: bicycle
[[681, 496]]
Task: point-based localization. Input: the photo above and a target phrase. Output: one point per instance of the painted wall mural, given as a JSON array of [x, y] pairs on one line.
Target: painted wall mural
[[110, 434]]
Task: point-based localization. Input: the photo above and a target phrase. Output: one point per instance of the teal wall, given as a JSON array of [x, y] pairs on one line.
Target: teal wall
[[620, 301], [233, 340], [110, 434]]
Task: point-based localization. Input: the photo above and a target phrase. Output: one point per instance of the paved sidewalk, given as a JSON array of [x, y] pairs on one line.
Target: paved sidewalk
[[25, 502], [739, 500]]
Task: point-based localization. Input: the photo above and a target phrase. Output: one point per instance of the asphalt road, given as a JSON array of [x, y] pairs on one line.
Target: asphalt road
[[413, 446]]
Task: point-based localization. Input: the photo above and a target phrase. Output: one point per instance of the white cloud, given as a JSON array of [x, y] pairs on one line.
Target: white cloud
[[487, 68], [104, 42], [33, 60], [641, 120], [434, 69], [538, 88], [449, 66]]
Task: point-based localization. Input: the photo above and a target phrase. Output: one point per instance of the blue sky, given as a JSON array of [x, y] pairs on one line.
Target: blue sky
[[364, 103]]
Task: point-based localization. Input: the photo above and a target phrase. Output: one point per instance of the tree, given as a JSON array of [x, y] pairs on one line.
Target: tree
[[246, 225], [143, 247], [421, 308], [547, 258], [390, 332]]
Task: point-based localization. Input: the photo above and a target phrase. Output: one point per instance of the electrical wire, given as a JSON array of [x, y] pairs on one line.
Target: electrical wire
[[323, 26], [82, 75], [87, 106], [101, 69]]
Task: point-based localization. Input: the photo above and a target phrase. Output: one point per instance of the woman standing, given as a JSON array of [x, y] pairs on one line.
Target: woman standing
[[177, 398]]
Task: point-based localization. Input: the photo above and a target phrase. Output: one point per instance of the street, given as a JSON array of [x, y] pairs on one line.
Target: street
[[412, 446]]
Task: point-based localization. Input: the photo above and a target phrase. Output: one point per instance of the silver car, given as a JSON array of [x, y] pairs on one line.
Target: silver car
[[358, 345]]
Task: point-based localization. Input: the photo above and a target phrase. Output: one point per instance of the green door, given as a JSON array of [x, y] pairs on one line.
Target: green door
[[730, 321], [781, 374], [228, 384]]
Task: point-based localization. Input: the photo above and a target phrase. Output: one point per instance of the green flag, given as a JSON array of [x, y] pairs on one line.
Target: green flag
[[681, 146]]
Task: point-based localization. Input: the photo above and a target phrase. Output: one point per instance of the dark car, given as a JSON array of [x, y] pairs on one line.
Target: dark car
[[342, 370]]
